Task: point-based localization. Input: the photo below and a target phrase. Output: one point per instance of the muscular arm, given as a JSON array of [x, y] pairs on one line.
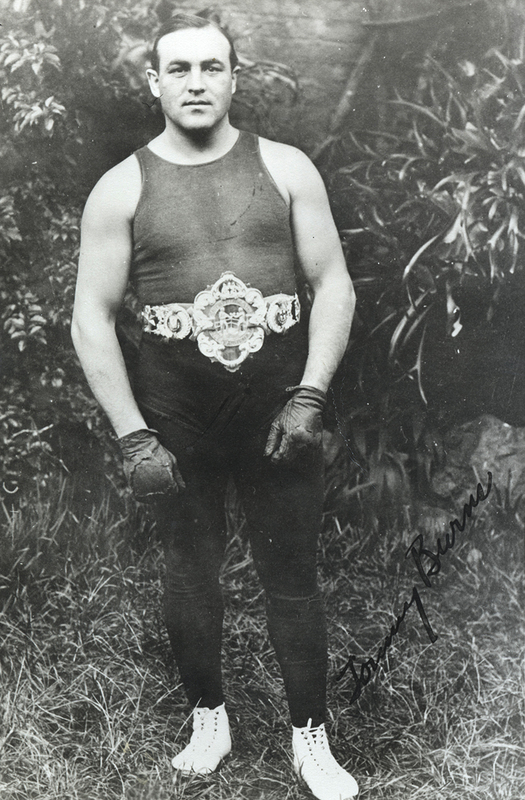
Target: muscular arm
[[321, 258], [102, 279], [297, 429]]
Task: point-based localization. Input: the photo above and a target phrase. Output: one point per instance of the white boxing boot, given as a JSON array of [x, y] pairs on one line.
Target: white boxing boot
[[209, 743], [315, 764]]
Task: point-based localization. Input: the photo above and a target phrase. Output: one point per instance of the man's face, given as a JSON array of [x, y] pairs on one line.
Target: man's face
[[195, 82]]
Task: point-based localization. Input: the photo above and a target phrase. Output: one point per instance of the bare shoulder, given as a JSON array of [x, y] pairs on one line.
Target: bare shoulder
[[115, 196], [290, 167], [287, 155]]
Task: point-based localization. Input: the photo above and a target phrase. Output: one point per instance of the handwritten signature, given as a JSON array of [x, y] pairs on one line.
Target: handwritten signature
[[418, 551]]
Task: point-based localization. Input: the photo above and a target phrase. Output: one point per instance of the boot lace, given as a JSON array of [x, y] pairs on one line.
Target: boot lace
[[205, 723], [319, 750]]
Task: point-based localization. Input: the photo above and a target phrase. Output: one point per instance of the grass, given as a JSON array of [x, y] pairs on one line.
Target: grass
[[91, 704]]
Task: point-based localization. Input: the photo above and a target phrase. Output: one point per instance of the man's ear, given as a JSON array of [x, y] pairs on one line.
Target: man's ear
[[235, 74], [153, 80]]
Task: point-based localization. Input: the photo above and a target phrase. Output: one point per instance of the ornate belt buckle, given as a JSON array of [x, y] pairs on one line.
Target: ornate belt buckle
[[228, 321], [172, 321], [283, 311]]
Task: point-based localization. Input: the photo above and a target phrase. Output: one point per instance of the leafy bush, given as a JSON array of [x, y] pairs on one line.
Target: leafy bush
[[432, 212], [75, 103]]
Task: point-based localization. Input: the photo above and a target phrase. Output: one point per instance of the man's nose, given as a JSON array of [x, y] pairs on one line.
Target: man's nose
[[195, 82]]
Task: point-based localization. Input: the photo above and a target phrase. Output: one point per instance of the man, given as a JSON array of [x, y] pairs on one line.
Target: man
[[214, 227]]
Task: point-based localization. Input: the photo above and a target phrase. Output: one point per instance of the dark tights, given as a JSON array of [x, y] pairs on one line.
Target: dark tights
[[283, 506]]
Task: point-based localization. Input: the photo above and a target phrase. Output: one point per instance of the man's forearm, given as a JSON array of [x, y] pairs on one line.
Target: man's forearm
[[330, 322], [103, 364]]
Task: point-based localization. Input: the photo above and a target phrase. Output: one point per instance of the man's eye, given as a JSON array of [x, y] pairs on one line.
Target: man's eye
[[177, 70], [214, 68]]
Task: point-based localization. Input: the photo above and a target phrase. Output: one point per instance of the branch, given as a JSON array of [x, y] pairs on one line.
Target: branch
[[345, 103]]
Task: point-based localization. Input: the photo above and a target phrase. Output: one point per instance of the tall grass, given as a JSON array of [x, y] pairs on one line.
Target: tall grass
[[91, 703]]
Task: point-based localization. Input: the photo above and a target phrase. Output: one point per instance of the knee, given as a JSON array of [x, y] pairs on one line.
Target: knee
[[294, 577], [189, 588], [294, 608], [297, 627]]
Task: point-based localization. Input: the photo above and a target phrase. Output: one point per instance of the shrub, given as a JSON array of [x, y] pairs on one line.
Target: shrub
[[432, 213]]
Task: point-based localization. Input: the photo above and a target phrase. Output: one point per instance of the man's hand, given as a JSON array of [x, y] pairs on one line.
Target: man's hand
[[151, 470], [298, 428]]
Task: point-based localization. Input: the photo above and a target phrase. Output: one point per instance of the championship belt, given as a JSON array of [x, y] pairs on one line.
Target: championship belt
[[228, 320]]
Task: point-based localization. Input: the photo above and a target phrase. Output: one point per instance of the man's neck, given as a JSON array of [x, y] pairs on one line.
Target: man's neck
[[194, 147]]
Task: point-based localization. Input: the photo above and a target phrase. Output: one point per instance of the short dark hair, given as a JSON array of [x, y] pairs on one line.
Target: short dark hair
[[180, 22]]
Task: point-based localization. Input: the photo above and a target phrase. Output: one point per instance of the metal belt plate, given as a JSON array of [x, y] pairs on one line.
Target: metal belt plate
[[228, 320]]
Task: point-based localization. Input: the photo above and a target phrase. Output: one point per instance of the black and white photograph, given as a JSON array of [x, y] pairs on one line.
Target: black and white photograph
[[262, 400]]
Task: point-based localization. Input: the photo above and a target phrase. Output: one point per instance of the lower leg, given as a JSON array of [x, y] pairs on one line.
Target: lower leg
[[193, 608], [194, 623], [192, 530], [297, 630], [284, 512], [283, 505]]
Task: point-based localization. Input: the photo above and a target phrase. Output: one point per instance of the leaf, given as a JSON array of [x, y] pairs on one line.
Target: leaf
[[408, 163], [421, 110], [468, 68], [417, 321], [419, 366], [410, 315], [454, 230], [521, 172], [495, 202], [413, 261], [11, 59], [492, 242], [17, 64], [472, 139], [53, 59]]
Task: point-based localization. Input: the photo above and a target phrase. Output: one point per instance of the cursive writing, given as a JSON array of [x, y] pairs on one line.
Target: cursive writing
[[418, 551], [371, 665]]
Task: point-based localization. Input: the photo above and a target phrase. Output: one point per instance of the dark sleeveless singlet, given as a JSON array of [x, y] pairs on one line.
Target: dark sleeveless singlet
[[194, 222]]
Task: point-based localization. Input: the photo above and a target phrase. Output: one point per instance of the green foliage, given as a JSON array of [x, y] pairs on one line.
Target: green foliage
[[56, 68], [75, 102], [432, 212], [446, 191]]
